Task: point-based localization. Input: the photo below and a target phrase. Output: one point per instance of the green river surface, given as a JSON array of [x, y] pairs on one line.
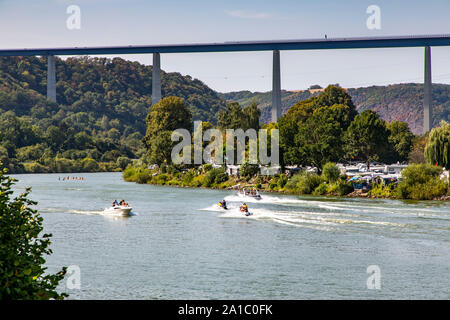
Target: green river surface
[[179, 244]]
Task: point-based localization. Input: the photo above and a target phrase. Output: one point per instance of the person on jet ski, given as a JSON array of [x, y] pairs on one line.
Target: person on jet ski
[[224, 204], [244, 207]]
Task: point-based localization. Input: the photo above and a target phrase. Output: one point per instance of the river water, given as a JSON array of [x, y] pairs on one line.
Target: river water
[[179, 245]]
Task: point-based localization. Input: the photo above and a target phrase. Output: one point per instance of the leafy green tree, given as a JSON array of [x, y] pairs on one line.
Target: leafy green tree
[[331, 172], [165, 116], [55, 137], [336, 95], [437, 150], [251, 116], [417, 154], [367, 137], [160, 149], [248, 170], [320, 137], [311, 131], [123, 162], [401, 139], [22, 249], [236, 117]]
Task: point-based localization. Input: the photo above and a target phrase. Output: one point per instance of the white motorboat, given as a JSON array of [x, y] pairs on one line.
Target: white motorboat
[[118, 210], [253, 193]]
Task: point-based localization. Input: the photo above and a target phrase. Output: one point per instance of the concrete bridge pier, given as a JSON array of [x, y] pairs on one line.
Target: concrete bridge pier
[[276, 87], [427, 102], [156, 78], [51, 78]]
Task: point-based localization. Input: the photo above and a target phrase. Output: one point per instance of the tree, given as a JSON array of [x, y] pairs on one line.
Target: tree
[[22, 249], [401, 139], [417, 154], [165, 116], [320, 136], [367, 137], [437, 150], [236, 117], [311, 131], [55, 137], [251, 116], [336, 95], [248, 169], [161, 148], [122, 162], [331, 172]]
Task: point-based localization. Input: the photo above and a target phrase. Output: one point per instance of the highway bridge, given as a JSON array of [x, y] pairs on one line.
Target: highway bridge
[[425, 41]]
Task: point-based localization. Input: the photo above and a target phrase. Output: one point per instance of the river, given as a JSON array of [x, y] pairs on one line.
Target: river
[[179, 245]]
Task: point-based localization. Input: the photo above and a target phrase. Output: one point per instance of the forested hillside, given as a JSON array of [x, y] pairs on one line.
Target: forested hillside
[[99, 115], [400, 102]]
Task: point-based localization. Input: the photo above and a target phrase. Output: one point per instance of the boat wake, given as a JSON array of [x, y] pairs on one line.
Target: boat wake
[[304, 213], [86, 212]]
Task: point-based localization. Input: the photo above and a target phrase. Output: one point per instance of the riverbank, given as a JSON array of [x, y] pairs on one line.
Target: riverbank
[[63, 165], [428, 187]]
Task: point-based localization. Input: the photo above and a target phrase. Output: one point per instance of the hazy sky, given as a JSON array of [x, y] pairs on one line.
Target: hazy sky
[[32, 23]]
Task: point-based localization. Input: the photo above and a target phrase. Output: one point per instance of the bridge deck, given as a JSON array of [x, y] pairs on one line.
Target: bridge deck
[[299, 44]]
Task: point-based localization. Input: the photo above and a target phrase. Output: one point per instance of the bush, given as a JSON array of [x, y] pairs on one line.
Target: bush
[[308, 183], [282, 181], [331, 172], [89, 165], [221, 177], [340, 188], [35, 167], [380, 191], [207, 167], [123, 162], [321, 189], [22, 272], [304, 182], [214, 176], [161, 179], [188, 177], [421, 182]]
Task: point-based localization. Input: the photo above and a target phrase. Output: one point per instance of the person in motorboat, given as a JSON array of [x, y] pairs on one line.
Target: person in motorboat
[[121, 208]]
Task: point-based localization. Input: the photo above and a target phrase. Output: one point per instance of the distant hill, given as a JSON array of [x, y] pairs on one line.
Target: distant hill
[[105, 82], [100, 111], [402, 102]]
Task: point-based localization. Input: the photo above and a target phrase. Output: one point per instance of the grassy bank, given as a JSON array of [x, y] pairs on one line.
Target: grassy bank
[[420, 182]]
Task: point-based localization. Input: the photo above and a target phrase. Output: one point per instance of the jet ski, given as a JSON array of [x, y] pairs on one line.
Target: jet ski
[[221, 205], [245, 211], [118, 210]]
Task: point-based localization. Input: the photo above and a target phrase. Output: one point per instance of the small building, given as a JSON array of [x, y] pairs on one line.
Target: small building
[[233, 170], [270, 171], [394, 169], [292, 170]]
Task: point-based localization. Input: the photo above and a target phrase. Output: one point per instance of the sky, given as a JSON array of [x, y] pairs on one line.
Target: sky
[[43, 23]]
